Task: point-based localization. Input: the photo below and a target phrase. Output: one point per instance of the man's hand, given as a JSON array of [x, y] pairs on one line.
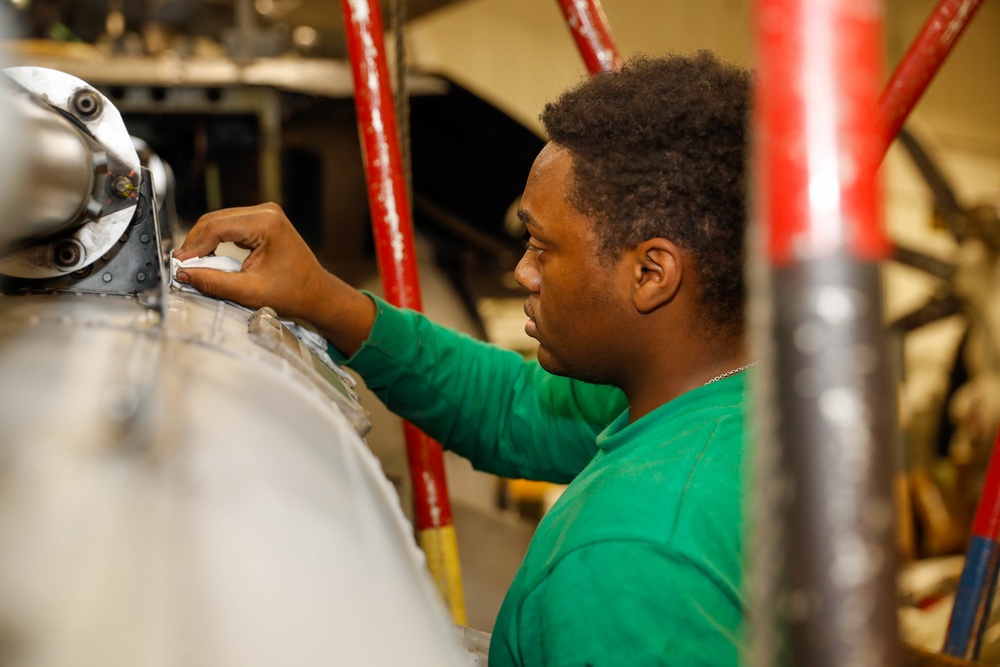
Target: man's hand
[[281, 272]]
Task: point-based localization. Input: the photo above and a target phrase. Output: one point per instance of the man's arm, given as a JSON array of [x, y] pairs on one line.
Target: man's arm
[[507, 416]]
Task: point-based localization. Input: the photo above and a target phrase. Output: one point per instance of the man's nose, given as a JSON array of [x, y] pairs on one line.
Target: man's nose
[[526, 272]]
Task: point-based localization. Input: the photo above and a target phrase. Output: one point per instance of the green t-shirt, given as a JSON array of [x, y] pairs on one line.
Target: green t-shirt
[[638, 563]]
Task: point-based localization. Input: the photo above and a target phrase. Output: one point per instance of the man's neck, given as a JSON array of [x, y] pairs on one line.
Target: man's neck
[[655, 384]]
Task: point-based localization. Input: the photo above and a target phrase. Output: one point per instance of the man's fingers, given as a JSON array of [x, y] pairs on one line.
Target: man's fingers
[[243, 226], [221, 284], [206, 236]]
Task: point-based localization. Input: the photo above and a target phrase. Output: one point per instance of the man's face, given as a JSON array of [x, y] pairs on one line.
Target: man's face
[[574, 308]]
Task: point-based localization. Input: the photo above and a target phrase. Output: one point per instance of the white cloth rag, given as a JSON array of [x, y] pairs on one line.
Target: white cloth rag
[[219, 262], [313, 340]]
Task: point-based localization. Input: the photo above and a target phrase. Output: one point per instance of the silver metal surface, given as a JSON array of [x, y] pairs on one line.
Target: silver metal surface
[[176, 491], [176, 494], [55, 176], [112, 158], [267, 330], [58, 90], [824, 559]]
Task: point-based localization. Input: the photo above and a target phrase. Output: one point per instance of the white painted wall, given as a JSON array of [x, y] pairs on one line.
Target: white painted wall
[[519, 53]]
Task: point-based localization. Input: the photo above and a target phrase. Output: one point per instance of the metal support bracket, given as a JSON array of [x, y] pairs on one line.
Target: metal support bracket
[[135, 265]]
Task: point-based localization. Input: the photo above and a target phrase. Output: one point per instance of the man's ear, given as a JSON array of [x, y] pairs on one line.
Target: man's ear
[[657, 270]]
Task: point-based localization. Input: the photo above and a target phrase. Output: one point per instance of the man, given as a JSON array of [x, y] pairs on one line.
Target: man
[[635, 210]]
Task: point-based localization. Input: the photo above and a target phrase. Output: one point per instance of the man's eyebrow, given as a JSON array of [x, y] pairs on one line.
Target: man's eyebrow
[[527, 219]]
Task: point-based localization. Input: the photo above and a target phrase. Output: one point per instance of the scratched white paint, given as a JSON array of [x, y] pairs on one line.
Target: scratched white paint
[[361, 15], [388, 192], [584, 22], [360, 11], [432, 498], [371, 57], [955, 25]]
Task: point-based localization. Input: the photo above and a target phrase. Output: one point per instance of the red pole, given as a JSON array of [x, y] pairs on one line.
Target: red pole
[[590, 29], [390, 210], [393, 227], [823, 553], [926, 55]]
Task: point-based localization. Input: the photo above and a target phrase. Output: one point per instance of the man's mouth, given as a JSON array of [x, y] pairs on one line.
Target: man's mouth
[[530, 327]]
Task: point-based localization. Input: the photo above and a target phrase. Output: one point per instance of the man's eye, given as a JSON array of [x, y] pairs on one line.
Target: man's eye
[[529, 246]]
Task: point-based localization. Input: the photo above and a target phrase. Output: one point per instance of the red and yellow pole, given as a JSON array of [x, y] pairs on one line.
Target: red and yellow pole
[[393, 227]]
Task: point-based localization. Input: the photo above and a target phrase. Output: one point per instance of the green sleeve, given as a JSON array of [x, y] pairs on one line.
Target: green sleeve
[[507, 416], [628, 604]]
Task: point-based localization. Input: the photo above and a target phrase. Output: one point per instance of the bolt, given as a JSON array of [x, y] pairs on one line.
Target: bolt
[[67, 253], [140, 277], [140, 211], [122, 186], [86, 102], [106, 277], [144, 238]]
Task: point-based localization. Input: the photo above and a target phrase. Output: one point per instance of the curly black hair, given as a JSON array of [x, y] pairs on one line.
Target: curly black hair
[[658, 151]]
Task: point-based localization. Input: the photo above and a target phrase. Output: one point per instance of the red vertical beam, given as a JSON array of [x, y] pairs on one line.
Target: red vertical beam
[[922, 61], [592, 34], [823, 550], [393, 227], [373, 102]]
